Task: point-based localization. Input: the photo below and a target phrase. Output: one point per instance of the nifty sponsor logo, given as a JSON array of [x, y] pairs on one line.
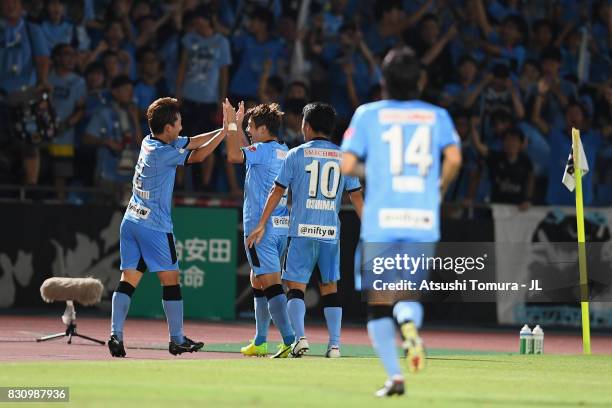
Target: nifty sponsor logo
[[407, 116], [323, 153], [406, 218], [138, 211], [280, 222], [316, 231], [281, 154]]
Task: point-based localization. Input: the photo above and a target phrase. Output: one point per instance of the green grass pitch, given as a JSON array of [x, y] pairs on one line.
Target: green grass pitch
[[450, 380]]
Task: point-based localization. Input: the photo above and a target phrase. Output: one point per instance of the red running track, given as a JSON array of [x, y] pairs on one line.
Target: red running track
[[146, 339]]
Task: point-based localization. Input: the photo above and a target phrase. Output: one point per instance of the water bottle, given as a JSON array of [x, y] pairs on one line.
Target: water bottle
[[538, 340], [525, 340]]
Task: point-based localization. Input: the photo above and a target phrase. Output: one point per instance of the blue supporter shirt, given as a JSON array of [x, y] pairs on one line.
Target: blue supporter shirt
[[153, 182], [401, 143], [205, 59], [104, 124], [312, 172], [54, 34], [18, 47], [253, 54], [68, 91], [145, 94], [362, 78], [263, 162], [513, 55]]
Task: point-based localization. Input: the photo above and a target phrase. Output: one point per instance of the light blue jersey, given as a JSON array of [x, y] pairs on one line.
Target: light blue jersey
[[263, 162], [153, 182], [312, 172], [401, 143]]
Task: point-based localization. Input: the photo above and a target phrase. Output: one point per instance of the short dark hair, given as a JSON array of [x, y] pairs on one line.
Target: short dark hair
[[467, 58], [514, 131], [277, 83], [57, 50], [541, 23], [95, 66], [500, 115], [162, 112], [268, 115], [119, 81], [321, 117], [501, 70], [142, 51], [550, 53], [264, 15], [384, 6], [401, 70], [295, 106]]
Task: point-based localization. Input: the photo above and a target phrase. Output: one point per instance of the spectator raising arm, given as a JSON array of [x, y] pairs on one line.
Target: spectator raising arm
[[483, 21], [475, 94], [180, 75], [407, 22], [536, 118], [480, 147], [262, 89], [435, 50], [350, 85], [517, 104]]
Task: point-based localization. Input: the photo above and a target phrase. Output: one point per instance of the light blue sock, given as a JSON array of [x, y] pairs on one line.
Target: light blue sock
[[297, 310], [405, 311], [174, 315], [278, 310], [121, 306], [262, 319], [333, 318], [382, 336]]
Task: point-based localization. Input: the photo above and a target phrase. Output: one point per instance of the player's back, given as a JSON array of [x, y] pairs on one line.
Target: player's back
[[312, 172], [401, 143], [263, 163], [153, 182]]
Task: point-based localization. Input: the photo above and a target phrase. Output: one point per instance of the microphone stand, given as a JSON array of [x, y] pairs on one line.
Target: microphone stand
[[69, 319]]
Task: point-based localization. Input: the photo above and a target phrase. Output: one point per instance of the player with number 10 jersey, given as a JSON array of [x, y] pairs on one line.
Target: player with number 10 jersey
[[312, 172]]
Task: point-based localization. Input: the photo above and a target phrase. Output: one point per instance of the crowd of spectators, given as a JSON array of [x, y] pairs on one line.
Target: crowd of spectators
[[515, 75]]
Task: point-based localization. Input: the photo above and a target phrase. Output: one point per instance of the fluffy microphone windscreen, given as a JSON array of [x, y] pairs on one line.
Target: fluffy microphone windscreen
[[86, 291]]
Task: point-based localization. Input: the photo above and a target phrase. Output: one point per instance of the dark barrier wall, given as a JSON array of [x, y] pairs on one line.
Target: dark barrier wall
[[40, 241], [481, 230]]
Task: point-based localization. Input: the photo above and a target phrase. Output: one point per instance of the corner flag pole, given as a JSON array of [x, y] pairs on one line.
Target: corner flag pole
[[584, 289]]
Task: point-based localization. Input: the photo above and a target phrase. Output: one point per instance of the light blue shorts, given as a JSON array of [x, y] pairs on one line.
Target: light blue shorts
[[304, 253], [144, 249], [266, 256]]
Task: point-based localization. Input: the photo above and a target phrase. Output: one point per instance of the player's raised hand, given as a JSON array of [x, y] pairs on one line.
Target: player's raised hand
[[230, 112], [240, 114], [256, 235]]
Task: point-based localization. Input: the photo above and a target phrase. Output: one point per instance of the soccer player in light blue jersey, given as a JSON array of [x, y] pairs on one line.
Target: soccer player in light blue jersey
[[312, 172], [263, 160], [146, 238], [401, 140]]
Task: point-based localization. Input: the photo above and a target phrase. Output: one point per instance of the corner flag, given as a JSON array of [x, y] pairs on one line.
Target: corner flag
[[569, 174], [572, 179]]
